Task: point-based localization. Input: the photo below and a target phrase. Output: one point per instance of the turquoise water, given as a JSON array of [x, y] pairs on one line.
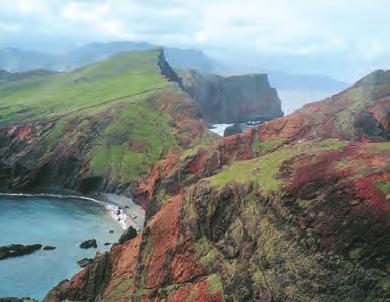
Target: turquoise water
[[63, 223]]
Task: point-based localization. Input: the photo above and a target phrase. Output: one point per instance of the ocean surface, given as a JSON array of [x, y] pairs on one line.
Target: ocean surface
[[63, 223]]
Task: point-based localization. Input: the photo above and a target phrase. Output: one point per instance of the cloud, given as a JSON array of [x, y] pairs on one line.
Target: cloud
[[9, 27], [344, 30]]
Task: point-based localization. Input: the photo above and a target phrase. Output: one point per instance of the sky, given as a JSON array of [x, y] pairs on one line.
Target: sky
[[342, 38]]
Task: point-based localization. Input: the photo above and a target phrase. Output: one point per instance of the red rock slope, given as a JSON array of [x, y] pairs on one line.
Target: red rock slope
[[297, 209]]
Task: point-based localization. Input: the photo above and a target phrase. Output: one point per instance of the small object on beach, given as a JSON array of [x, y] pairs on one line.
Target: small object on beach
[[111, 231], [107, 243], [84, 262], [88, 244], [129, 234], [15, 250], [48, 248], [120, 208], [118, 212]]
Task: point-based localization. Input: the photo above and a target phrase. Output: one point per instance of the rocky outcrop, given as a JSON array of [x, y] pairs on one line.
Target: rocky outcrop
[[84, 262], [234, 98], [287, 211], [128, 234], [88, 244], [49, 248], [15, 250]]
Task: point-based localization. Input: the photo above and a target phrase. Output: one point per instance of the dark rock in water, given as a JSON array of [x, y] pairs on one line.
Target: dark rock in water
[[49, 247], [84, 262], [127, 207], [118, 212], [88, 244], [111, 231], [232, 130], [13, 299], [129, 234], [15, 250], [107, 243]]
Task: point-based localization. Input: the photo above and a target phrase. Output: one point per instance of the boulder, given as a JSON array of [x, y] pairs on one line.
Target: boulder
[[129, 234], [84, 262], [48, 248], [88, 244], [15, 250]]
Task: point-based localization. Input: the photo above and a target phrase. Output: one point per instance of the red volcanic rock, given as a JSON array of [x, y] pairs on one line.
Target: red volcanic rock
[[184, 263], [291, 126], [164, 237], [307, 219], [195, 292], [164, 232], [197, 164], [124, 263]]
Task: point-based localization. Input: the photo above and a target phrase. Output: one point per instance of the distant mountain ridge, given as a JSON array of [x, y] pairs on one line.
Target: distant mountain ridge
[[294, 89], [16, 59]]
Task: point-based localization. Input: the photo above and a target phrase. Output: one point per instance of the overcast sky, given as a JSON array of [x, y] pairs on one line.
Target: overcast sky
[[346, 38]]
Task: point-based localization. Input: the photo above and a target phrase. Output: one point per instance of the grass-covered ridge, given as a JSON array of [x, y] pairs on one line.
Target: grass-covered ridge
[[137, 136], [263, 170], [115, 117], [50, 96]]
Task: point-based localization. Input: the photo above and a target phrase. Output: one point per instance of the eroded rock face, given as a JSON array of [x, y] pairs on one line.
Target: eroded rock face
[[262, 217], [233, 99]]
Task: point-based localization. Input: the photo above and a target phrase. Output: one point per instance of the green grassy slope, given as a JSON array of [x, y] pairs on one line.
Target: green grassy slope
[[120, 76], [116, 117]]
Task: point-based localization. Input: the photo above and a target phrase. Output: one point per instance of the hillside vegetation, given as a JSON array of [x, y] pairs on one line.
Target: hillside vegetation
[[96, 127]]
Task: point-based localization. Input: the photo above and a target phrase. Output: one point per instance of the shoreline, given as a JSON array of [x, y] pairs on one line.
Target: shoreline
[[123, 212]]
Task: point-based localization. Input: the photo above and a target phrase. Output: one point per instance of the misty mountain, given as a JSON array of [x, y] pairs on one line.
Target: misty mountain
[[294, 90], [16, 60]]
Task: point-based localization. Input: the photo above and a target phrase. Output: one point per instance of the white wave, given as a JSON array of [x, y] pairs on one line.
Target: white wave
[[219, 128]]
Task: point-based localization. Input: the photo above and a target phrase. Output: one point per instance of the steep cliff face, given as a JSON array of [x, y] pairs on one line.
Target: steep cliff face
[[96, 128], [287, 211], [233, 99]]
